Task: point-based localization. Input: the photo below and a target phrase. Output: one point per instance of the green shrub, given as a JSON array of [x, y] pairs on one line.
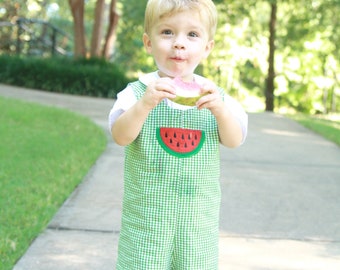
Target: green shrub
[[90, 77]]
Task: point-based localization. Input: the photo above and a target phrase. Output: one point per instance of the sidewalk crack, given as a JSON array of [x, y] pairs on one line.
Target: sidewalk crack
[[63, 228]]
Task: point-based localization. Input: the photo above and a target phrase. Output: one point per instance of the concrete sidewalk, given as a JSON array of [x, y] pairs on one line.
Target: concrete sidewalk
[[280, 205]]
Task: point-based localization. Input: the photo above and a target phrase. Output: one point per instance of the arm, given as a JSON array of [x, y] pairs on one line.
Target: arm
[[229, 128], [128, 125]]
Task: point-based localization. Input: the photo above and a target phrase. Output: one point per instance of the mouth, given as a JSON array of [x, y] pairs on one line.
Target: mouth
[[177, 59]]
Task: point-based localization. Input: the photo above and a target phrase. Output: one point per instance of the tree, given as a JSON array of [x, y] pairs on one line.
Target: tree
[[77, 8], [269, 90], [309, 54], [130, 52], [97, 30], [111, 32]]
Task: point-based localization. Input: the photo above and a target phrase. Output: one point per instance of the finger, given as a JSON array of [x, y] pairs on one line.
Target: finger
[[202, 102], [207, 96], [166, 90], [209, 101], [208, 88]]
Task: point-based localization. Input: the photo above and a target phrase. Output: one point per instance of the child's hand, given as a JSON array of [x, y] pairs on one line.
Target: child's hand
[[157, 91], [211, 100]]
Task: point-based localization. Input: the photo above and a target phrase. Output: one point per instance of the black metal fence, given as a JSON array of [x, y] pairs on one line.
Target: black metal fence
[[34, 37]]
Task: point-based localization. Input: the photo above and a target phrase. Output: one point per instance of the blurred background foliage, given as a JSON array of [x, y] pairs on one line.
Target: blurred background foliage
[[307, 53]]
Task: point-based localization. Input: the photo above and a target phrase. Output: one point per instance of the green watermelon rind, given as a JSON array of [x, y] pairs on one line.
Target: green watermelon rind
[[187, 101], [178, 154]]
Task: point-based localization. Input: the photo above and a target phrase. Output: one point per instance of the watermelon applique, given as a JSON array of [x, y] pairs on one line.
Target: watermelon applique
[[180, 142]]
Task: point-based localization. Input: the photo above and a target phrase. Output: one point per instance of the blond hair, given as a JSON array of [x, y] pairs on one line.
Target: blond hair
[[157, 9]]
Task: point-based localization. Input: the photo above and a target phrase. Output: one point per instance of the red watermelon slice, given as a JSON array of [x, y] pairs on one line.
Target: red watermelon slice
[[180, 142], [187, 93]]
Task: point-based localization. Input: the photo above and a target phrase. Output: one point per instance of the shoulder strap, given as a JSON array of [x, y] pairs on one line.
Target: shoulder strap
[[138, 88]]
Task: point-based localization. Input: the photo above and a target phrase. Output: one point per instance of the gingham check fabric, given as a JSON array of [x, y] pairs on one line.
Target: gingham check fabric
[[171, 204]]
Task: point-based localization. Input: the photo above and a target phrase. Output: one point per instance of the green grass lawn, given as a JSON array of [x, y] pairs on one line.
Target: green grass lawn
[[326, 126], [44, 154]]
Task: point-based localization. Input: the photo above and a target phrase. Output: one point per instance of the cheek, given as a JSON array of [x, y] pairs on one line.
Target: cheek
[[160, 51], [197, 53]]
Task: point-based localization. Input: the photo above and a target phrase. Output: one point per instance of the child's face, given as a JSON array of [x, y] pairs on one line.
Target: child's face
[[178, 43]]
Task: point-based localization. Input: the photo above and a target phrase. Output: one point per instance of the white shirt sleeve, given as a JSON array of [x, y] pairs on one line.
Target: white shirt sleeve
[[238, 112], [125, 100]]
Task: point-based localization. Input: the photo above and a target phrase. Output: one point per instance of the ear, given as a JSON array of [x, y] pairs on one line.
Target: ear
[[210, 45], [147, 42]]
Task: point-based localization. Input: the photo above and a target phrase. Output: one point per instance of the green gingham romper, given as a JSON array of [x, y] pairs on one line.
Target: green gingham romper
[[171, 204]]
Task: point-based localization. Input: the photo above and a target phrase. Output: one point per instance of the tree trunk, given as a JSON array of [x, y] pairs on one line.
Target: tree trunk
[[97, 31], [77, 8], [269, 92], [111, 32]]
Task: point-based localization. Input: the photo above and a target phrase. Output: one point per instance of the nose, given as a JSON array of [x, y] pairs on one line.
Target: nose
[[179, 43]]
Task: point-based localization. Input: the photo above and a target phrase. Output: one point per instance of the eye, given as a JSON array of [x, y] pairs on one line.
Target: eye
[[167, 32], [193, 34]]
